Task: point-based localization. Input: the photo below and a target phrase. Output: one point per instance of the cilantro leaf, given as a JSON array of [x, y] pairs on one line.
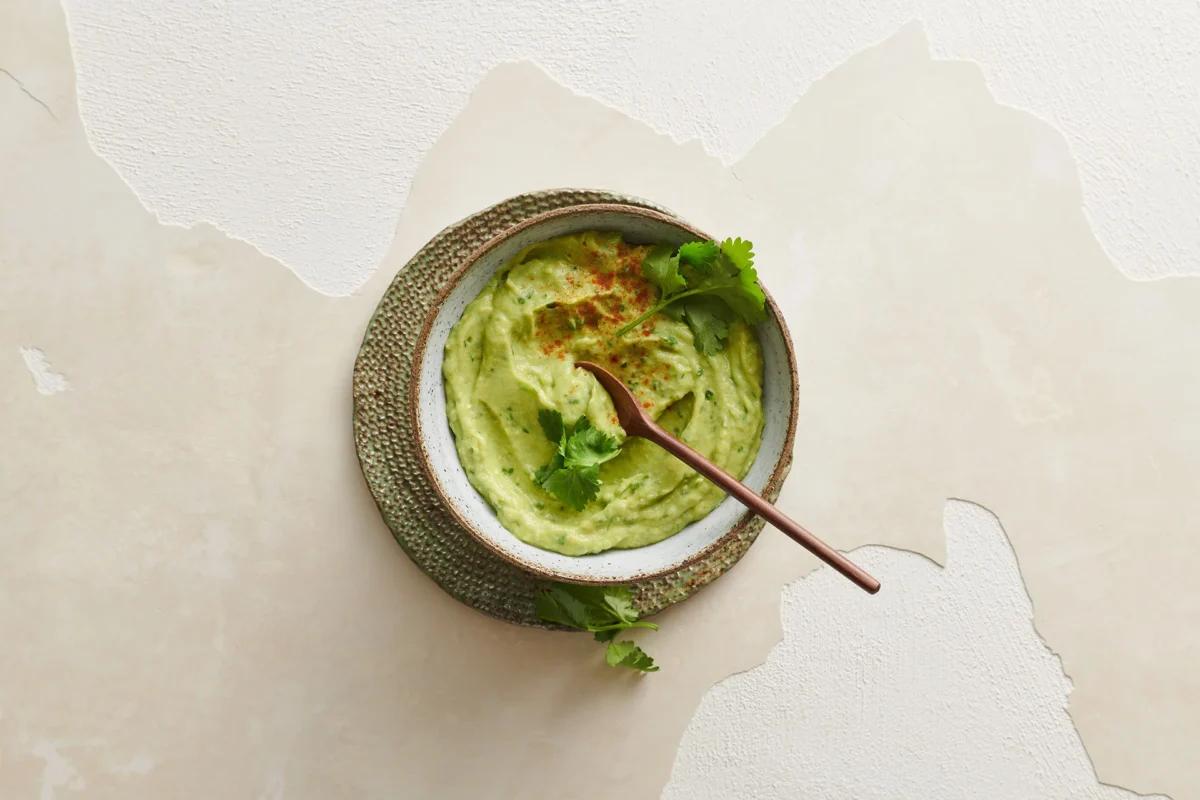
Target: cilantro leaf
[[588, 446], [740, 292], [709, 320], [662, 269], [556, 604], [739, 252], [700, 256], [603, 610], [628, 654], [724, 272], [547, 469], [573, 472], [552, 425], [620, 600], [575, 486]]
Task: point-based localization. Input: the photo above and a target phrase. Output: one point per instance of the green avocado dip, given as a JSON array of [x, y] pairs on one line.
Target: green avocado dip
[[512, 354]]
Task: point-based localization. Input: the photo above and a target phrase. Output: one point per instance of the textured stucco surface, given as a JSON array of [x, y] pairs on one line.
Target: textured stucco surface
[[910, 694], [220, 112]]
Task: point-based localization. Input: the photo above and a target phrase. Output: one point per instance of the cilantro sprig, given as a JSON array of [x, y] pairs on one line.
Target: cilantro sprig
[[603, 610], [573, 474], [708, 285]]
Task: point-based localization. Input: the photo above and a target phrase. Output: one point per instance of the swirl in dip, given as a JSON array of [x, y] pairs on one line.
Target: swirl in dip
[[513, 353]]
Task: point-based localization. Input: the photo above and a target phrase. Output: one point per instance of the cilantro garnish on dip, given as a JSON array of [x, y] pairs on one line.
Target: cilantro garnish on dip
[[539, 439], [708, 285], [573, 472]]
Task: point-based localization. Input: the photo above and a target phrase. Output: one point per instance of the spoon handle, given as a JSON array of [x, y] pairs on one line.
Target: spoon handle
[[758, 505]]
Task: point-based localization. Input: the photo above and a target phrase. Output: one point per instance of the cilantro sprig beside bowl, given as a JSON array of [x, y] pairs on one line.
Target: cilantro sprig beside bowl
[[603, 610], [708, 285]]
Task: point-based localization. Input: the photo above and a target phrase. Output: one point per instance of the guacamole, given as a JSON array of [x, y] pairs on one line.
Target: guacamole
[[513, 353]]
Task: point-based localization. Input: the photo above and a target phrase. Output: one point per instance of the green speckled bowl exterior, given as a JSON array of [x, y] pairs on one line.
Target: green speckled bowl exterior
[[391, 456]]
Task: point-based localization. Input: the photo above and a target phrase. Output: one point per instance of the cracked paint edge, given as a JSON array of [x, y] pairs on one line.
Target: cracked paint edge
[[1033, 625], [992, 56], [950, 564], [47, 381]]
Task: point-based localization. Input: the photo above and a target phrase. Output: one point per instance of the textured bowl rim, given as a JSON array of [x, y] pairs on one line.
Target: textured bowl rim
[[778, 472]]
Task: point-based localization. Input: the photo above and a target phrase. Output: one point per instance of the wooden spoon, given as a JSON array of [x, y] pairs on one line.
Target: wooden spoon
[[636, 422]]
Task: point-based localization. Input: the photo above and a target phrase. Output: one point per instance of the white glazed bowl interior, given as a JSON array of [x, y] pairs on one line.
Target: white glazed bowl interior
[[613, 566]]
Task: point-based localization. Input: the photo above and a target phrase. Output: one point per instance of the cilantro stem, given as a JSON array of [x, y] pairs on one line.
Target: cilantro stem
[[654, 309], [620, 626]]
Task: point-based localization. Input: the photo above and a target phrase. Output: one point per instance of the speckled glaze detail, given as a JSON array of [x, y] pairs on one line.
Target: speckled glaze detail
[[396, 469], [428, 408]]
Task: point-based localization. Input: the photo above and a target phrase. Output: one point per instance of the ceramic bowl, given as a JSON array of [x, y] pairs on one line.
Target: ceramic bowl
[[467, 506]]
